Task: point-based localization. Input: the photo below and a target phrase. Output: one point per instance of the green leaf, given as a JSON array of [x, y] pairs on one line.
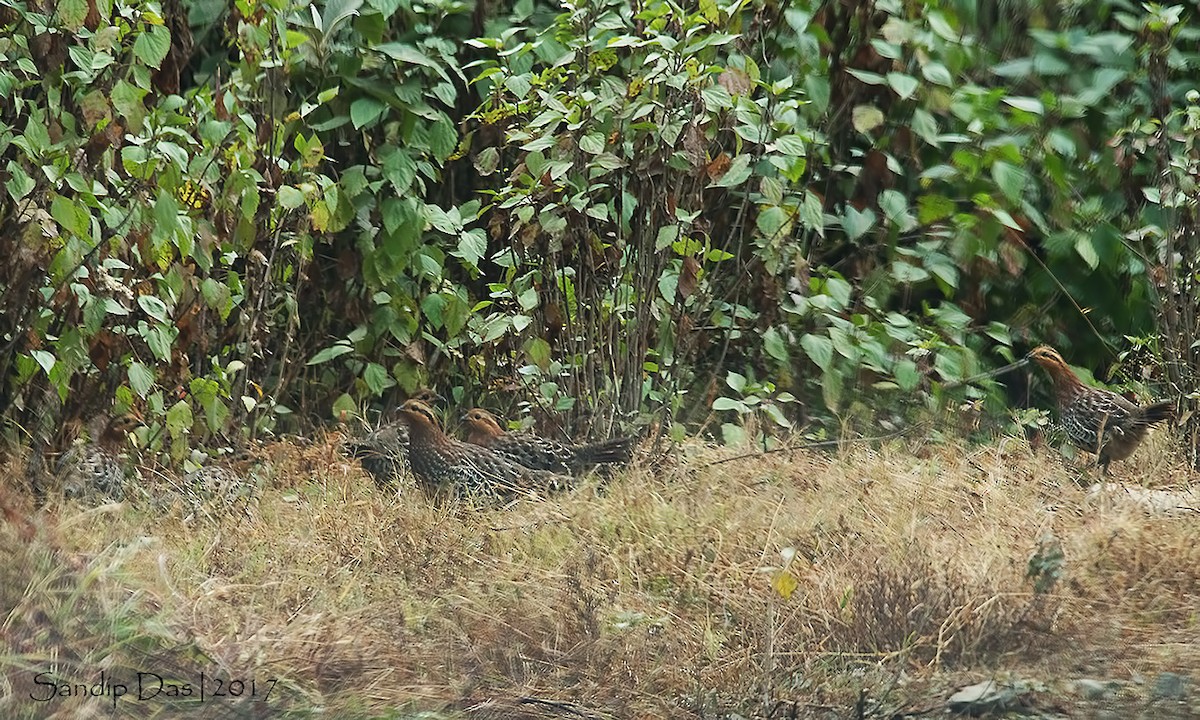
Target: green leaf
[[141, 378], [344, 408], [153, 307], [72, 13], [152, 46], [538, 352], [856, 224], [812, 213], [723, 403], [290, 198], [1010, 179], [179, 419], [904, 85], [831, 389], [736, 381], [1028, 104], [409, 54], [443, 138], [792, 145], [1087, 250], [774, 412], [716, 98], [732, 435], [908, 377], [819, 349], [937, 73], [377, 378], [908, 273], [775, 345], [44, 358], [738, 173], [592, 143], [19, 184], [365, 111], [472, 246], [71, 216], [895, 207], [330, 353]]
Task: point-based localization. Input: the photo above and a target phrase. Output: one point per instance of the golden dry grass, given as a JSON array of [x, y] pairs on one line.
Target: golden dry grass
[[665, 592]]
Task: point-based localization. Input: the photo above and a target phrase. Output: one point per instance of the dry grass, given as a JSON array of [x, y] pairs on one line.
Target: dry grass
[[660, 594]]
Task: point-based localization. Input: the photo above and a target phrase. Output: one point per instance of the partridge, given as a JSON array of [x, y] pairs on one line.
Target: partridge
[[438, 461], [94, 467], [541, 453], [1097, 420], [384, 452]]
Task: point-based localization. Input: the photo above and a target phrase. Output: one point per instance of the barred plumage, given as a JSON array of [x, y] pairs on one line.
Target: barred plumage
[[1096, 420], [94, 468], [383, 452], [440, 462], [541, 453]]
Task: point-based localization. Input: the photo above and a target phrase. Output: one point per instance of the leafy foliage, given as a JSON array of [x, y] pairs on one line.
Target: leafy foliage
[[235, 213]]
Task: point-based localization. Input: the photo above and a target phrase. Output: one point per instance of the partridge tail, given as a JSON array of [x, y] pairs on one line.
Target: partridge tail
[[1158, 412], [616, 451]]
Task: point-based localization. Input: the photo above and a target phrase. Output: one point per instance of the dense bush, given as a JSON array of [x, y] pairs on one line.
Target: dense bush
[[242, 216]]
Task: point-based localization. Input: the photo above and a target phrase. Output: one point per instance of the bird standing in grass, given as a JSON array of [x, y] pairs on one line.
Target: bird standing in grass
[[540, 453], [95, 467], [1097, 420], [384, 452], [439, 461]]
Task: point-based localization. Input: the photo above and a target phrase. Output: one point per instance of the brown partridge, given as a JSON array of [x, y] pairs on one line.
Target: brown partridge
[[438, 461], [383, 453], [540, 453], [1097, 420], [95, 468]]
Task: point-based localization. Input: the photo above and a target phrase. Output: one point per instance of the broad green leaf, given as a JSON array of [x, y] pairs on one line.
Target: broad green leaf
[[153, 307], [895, 207], [1010, 179], [71, 13], [71, 216], [812, 214], [472, 246], [937, 73], [592, 143], [732, 435], [908, 273], [141, 378], [831, 389], [792, 145], [908, 377], [377, 378], [1087, 250], [1028, 104], [736, 381], [722, 404], [775, 345], [856, 223], [365, 111], [904, 85], [290, 197], [330, 353], [819, 349], [152, 46], [45, 359], [179, 419]]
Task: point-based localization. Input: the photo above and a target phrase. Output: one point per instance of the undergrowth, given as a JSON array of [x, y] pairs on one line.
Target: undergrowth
[[807, 581]]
